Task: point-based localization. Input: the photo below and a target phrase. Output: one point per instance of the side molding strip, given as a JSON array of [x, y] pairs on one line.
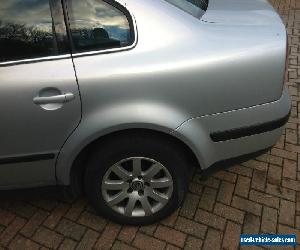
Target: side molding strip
[[27, 158], [250, 130]]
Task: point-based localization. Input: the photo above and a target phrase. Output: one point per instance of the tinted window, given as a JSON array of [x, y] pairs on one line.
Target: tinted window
[[199, 3], [97, 25], [26, 29], [194, 7]]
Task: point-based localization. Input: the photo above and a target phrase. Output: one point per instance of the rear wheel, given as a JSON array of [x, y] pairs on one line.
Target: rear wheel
[[136, 180]]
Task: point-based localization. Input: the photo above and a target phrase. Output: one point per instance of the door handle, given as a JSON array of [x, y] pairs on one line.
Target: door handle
[[40, 100]]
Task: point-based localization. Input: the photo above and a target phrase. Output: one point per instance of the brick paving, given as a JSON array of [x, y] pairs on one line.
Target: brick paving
[[258, 196]]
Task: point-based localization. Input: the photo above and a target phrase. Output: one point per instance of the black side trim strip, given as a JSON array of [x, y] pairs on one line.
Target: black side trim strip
[[250, 130], [27, 158]]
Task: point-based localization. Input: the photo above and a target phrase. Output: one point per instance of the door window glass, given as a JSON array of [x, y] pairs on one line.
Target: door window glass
[[98, 25], [26, 29]]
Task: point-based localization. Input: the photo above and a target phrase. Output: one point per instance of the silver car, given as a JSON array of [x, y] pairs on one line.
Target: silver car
[[117, 98]]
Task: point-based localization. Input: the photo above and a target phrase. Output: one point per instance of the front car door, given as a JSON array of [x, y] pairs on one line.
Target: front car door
[[39, 97]]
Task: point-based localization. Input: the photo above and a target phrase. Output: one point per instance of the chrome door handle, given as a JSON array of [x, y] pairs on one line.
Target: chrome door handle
[[40, 100]]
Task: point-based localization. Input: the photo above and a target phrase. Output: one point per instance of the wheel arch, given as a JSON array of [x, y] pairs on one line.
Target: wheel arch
[[78, 166]]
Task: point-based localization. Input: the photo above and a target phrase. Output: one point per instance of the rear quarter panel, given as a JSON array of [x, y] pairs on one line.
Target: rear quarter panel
[[180, 68]]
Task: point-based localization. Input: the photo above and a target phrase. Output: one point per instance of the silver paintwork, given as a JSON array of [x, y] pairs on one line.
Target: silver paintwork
[[27, 128], [183, 76], [209, 152], [134, 188]]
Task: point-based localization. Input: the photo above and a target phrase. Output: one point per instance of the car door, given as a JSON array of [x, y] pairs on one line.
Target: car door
[[39, 97]]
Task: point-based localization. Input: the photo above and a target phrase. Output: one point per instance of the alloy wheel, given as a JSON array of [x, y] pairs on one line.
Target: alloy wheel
[[137, 187]]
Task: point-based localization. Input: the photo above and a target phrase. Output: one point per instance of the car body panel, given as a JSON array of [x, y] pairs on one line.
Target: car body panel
[[192, 63], [27, 174], [196, 132], [180, 68], [35, 131], [242, 12], [183, 76]]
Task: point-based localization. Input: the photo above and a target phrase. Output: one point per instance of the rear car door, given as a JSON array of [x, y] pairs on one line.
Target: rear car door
[[39, 97]]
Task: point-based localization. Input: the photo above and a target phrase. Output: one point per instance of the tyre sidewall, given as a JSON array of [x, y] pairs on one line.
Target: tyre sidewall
[[106, 156]]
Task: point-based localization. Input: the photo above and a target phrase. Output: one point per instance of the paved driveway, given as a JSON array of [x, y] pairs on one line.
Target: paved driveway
[[259, 196]]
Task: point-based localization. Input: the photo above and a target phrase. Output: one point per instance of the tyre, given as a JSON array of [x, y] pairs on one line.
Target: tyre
[[136, 180]]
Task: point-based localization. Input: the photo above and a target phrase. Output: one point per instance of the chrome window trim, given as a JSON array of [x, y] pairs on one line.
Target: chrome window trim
[[35, 60], [63, 55], [115, 50], [81, 54]]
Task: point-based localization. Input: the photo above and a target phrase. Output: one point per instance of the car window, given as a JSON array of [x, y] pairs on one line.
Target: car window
[[99, 25], [194, 7], [26, 30]]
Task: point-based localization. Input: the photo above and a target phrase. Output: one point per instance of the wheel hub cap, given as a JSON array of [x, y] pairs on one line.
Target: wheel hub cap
[[137, 185]]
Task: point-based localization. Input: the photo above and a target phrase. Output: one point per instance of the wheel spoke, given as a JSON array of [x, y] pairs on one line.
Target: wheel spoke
[[161, 183], [138, 192], [116, 199], [152, 171], [137, 167], [115, 185], [130, 206], [146, 206], [121, 172], [158, 197]]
